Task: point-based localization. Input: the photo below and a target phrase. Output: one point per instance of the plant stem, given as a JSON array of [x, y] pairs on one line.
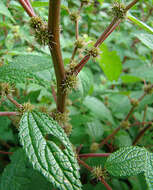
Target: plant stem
[[131, 5], [115, 22], [14, 102], [109, 137], [126, 118], [90, 169], [54, 46], [27, 8], [73, 54], [94, 155], [77, 29], [9, 113], [102, 37], [54, 94], [141, 134], [3, 152]]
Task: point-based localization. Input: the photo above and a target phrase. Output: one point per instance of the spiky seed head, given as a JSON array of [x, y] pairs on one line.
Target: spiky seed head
[[5, 89], [148, 89], [27, 107], [74, 16], [61, 118], [79, 43], [98, 172], [85, 2], [68, 129], [94, 52], [119, 10], [125, 124], [36, 22], [134, 102], [69, 82]]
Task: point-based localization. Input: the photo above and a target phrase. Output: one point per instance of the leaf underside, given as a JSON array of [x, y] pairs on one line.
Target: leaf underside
[[56, 162]]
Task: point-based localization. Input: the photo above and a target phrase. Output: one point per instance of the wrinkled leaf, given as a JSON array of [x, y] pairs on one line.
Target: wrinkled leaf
[[54, 157], [149, 170], [126, 161]]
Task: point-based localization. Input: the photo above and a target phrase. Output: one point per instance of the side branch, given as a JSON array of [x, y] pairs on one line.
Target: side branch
[[9, 113], [115, 22], [54, 46]]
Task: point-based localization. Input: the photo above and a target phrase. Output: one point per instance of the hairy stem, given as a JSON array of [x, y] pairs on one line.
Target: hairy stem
[[94, 155], [141, 134], [55, 49], [115, 22], [28, 9], [9, 113], [90, 169], [14, 102], [131, 5], [3, 152]]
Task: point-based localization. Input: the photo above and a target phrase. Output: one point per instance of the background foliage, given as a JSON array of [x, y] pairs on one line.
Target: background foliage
[[97, 106]]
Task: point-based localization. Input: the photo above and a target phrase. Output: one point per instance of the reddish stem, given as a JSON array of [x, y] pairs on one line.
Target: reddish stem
[[27, 8], [9, 113], [109, 137], [14, 102], [102, 37], [2, 152], [131, 5], [29, 5], [54, 94], [94, 155], [90, 169], [141, 134]]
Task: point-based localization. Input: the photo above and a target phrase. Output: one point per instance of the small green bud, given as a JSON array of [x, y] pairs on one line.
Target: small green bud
[[148, 89], [61, 118], [98, 172], [5, 89], [94, 52], [27, 107], [125, 124], [134, 102], [79, 43], [94, 147], [68, 129], [74, 16], [85, 2], [69, 82], [119, 11]]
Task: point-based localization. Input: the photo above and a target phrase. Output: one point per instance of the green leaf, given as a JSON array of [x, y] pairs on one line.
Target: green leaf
[[40, 4], [144, 72], [140, 23], [146, 39], [34, 63], [126, 161], [19, 175], [110, 63], [86, 81], [57, 164], [98, 108], [13, 73], [95, 130], [130, 79], [149, 170], [4, 11]]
